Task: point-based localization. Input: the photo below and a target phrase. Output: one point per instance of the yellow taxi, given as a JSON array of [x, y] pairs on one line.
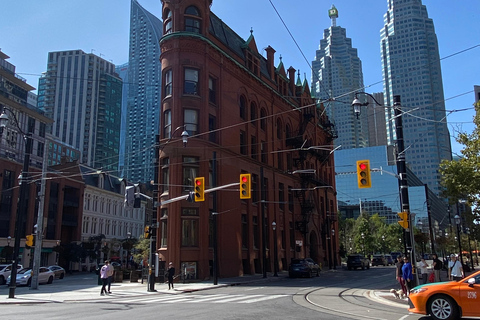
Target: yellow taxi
[[447, 300]]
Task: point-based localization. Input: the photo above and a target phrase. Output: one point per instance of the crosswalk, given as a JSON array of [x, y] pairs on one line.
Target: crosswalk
[[214, 298]]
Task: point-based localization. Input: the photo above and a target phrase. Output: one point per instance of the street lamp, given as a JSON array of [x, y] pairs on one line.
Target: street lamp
[[401, 164], [334, 250], [458, 221], [129, 238], [363, 243], [22, 201], [275, 252], [470, 248]]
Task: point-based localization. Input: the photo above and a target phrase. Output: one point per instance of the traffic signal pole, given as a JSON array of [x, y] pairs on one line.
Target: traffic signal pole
[[402, 182]]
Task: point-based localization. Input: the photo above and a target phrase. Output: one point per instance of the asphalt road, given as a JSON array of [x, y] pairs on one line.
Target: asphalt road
[[334, 295]]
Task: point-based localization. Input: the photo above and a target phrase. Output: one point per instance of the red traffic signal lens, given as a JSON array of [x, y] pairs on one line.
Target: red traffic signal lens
[[363, 166], [198, 182], [244, 179]]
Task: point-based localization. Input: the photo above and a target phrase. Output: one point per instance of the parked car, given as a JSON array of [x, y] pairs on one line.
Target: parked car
[[390, 260], [447, 300], [355, 261], [5, 270], [24, 276], [379, 260], [58, 271], [303, 267]]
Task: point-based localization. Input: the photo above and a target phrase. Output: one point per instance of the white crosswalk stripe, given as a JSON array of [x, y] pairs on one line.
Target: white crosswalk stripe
[[216, 298]]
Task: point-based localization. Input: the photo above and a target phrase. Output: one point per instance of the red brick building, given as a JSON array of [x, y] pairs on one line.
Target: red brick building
[[244, 114]]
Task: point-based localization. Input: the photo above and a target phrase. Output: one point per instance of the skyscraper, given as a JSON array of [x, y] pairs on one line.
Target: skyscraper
[[337, 73], [82, 94], [122, 71], [411, 69], [143, 103]]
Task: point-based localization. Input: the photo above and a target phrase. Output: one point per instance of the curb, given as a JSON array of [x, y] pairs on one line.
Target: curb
[[373, 295]]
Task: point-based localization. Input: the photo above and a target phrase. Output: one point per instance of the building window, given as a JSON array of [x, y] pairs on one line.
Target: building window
[[192, 19], [290, 199], [164, 222], [167, 120], [256, 232], [191, 81], [165, 174], [212, 90], [42, 129], [189, 232], [281, 196], [244, 231], [243, 106], [280, 159], [189, 212], [252, 63], [190, 172], [168, 82], [253, 113], [168, 22], [254, 188], [191, 121], [243, 142], [253, 148], [263, 152], [263, 119], [292, 235], [212, 127], [279, 129]]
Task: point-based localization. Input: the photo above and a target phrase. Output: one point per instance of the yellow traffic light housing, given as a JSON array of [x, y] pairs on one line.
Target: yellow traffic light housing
[[29, 242], [363, 174], [403, 219], [245, 186], [147, 233], [199, 189]]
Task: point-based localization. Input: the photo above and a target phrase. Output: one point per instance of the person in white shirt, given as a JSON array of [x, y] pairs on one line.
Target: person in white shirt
[[423, 266], [455, 269]]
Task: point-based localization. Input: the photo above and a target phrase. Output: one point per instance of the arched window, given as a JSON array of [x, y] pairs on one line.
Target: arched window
[[288, 134], [263, 119], [192, 19], [167, 22], [243, 106], [253, 113], [279, 129]]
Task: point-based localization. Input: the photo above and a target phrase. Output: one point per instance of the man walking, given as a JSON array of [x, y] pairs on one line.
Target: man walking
[[110, 273], [104, 277], [170, 275], [437, 267], [455, 269]]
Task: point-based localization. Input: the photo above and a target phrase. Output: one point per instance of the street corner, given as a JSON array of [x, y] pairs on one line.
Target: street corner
[[387, 297]]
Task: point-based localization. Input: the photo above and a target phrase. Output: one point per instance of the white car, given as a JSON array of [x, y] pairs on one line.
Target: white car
[[24, 276], [5, 270]]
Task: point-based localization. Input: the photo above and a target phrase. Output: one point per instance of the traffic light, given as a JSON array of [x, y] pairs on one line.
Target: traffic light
[[29, 242], [199, 189], [363, 174], [403, 219], [147, 233], [245, 186]]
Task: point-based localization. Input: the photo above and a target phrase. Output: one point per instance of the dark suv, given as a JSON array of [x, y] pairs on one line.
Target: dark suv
[[355, 261], [379, 260], [303, 267]]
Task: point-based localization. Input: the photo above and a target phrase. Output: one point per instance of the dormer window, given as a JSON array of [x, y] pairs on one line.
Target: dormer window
[[192, 19], [168, 22]]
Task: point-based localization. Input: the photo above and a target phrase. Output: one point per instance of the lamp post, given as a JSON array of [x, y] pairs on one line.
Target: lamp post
[[129, 238], [152, 263], [363, 243], [401, 167], [470, 248], [334, 250], [22, 200], [458, 221], [275, 252], [383, 244]]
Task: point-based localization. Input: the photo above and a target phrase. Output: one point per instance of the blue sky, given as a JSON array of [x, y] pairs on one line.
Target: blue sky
[[29, 29]]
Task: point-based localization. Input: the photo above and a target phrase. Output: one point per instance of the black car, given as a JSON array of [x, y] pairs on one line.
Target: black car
[[355, 261], [303, 267], [379, 260]]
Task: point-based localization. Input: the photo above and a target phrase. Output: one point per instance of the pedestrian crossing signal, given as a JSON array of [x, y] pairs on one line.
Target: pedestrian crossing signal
[[403, 219], [29, 240], [147, 232], [245, 186], [199, 189], [363, 174]]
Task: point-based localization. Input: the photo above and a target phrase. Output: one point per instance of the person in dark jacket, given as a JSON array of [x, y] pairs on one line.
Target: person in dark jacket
[[399, 275], [170, 275]]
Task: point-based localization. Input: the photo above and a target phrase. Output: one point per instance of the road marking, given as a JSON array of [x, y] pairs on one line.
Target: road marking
[[264, 298], [236, 298]]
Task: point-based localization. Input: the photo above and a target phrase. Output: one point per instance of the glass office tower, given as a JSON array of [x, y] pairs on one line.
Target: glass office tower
[[411, 69]]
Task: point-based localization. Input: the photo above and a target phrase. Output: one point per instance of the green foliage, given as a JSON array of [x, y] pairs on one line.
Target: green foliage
[[141, 250]]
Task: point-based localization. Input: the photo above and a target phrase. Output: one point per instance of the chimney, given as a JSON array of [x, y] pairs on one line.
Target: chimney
[[270, 62], [291, 79]]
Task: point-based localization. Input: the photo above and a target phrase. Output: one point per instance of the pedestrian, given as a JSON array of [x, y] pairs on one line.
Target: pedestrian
[[423, 266], [437, 267], [407, 274], [455, 269], [110, 273], [170, 275], [104, 277], [399, 276]]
